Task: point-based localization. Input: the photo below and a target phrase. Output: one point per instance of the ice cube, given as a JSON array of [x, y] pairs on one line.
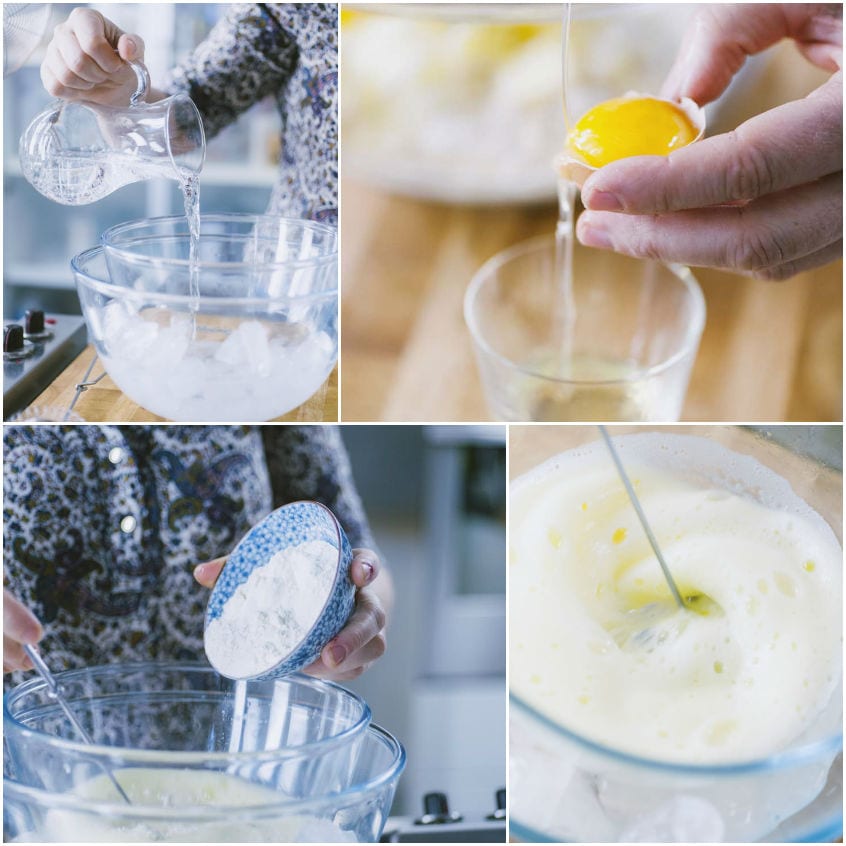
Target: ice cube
[[134, 339], [682, 819], [254, 338], [247, 347], [187, 379], [171, 346], [108, 323]]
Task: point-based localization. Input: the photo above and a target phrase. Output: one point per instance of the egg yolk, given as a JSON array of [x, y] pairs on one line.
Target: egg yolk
[[625, 127]]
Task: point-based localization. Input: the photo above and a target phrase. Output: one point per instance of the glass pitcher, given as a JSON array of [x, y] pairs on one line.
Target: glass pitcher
[[76, 153]]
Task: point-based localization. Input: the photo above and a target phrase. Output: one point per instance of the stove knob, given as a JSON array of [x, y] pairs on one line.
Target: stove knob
[[499, 813], [13, 338], [34, 322], [436, 810], [436, 803]]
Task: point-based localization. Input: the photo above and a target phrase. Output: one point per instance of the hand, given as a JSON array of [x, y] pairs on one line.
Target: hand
[[19, 626], [87, 60], [361, 641], [781, 171]]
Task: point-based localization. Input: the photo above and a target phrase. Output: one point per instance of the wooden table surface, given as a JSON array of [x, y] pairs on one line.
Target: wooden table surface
[[770, 351], [106, 403]]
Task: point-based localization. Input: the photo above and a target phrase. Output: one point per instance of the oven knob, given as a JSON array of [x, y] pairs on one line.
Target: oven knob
[[34, 328], [436, 811], [499, 813], [13, 338]]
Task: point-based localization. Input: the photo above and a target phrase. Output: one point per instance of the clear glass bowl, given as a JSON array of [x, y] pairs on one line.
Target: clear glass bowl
[[565, 787], [298, 735], [356, 813], [632, 347], [248, 331]]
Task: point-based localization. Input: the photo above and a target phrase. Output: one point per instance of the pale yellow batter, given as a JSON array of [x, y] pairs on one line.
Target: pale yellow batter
[[597, 643]]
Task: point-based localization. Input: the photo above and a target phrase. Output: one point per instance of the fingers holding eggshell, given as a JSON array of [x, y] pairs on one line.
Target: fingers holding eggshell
[[763, 238], [764, 155]]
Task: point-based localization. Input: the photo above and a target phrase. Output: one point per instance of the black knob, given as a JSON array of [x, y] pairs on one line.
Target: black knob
[[436, 810], [13, 338], [436, 804], [499, 813], [34, 322]]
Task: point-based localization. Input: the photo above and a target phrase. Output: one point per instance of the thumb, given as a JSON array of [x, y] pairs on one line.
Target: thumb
[[207, 572], [131, 48], [717, 43]]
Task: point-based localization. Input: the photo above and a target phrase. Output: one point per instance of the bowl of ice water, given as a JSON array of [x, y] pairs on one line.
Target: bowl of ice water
[[238, 324]]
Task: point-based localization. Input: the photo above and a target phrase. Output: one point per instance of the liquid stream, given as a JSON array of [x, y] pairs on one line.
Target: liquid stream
[[79, 177], [565, 233]]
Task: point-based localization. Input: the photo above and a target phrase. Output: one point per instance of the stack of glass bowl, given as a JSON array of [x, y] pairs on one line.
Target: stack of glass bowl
[[200, 757], [246, 328]]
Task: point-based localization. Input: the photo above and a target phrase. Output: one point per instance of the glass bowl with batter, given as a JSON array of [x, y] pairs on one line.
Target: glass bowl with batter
[[179, 734], [719, 722]]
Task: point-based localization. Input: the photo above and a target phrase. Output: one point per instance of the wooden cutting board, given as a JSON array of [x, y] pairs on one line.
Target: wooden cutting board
[[104, 402]]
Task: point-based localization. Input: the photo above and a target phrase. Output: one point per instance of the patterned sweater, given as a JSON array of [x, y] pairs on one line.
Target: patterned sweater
[[103, 525], [289, 51]]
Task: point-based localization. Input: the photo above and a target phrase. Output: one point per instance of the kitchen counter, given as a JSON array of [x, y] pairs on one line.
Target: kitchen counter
[[770, 351], [106, 403]]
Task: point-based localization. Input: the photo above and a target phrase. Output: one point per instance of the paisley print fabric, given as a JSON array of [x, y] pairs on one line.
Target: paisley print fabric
[[289, 51], [103, 525]]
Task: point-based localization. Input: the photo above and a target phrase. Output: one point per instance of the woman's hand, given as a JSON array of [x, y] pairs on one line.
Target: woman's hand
[[361, 641], [781, 171], [87, 60], [19, 627]]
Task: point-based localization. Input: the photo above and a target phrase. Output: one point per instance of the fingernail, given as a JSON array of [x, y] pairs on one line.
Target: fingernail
[[368, 571], [603, 201], [338, 653], [201, 573], [132, 44], [593, 234]]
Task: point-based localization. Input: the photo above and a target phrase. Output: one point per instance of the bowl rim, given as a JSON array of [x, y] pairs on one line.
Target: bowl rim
[[780, 760], [71, 802], [140, 224], [340, 572], [681, 272], [826, 832], [178, 757], [84, 278]]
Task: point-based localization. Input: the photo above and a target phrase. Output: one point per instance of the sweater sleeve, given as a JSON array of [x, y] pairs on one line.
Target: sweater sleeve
[[247, 56], [311, 462]]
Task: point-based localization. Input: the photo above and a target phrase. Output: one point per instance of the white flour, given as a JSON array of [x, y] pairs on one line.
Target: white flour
[[269, 615]]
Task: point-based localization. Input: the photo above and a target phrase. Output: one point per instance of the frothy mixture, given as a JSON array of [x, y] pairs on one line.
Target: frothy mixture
[[175, 788], [598, 644]]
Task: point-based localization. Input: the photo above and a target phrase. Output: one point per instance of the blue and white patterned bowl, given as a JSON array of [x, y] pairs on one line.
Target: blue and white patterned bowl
[[290, 526]]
